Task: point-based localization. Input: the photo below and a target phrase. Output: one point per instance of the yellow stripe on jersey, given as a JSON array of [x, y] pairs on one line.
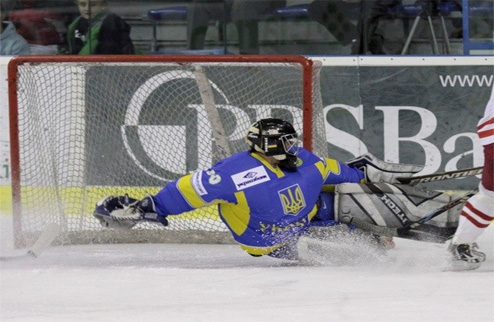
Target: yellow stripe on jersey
[[313, 212], [237, 215], [327, 166], [329, 188], [184, 185], [275, 170], [259, 251]]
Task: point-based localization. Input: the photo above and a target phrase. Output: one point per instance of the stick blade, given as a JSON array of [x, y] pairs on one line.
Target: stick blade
[[13, 257], [44, 241]]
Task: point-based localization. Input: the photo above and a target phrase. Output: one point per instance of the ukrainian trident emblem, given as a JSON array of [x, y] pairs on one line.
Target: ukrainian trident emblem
[[292, 200]]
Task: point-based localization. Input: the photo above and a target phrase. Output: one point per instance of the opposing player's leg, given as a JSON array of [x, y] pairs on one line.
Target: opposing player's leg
[[476, 216], [123, 212], [464, 256]]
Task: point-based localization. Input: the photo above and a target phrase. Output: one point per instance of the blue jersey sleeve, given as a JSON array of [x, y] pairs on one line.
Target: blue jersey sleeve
[[336, 172], [195, 190]]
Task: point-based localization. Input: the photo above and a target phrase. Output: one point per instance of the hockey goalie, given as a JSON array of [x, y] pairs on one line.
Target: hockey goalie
[[276, 192]]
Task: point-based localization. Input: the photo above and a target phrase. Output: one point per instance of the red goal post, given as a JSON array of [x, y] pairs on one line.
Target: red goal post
[[82, 127]]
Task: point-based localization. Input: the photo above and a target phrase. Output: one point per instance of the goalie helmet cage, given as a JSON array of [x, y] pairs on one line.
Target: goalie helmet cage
[[85, 127]]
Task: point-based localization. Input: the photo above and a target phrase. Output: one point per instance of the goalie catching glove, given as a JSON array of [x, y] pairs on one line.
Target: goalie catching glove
[[123, 212]]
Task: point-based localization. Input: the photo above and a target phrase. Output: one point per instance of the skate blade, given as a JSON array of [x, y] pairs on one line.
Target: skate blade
[[459, 266]]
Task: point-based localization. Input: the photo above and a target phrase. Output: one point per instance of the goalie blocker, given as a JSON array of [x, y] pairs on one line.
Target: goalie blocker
[[397, 206]]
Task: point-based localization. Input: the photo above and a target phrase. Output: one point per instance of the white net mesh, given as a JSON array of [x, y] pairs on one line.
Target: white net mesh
[[88, 129]]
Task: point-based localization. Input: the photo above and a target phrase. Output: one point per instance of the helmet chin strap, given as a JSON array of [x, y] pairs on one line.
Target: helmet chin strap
[[286, 161], [279, 157], [289, 163]]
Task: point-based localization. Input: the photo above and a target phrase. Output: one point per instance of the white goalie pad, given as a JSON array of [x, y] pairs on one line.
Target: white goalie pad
[[377, 170], [394, 206]]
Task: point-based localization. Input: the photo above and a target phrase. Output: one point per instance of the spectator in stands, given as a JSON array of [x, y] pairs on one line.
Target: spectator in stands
[[11, 43], [244, 14], [98, 31], [364, 36], [43, 23]]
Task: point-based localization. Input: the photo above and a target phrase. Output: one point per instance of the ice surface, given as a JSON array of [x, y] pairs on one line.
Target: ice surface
[[173, 282]]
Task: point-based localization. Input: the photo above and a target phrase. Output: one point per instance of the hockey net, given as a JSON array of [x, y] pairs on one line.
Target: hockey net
[[86, 127]]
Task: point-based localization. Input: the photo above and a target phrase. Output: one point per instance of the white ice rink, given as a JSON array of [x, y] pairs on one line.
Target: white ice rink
[[150, 282]]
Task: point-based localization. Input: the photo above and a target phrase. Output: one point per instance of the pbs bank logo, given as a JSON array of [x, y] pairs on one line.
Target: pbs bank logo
[[156, 137]]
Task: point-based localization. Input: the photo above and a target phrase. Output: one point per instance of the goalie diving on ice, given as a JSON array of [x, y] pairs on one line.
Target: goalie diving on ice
[[276, 192]]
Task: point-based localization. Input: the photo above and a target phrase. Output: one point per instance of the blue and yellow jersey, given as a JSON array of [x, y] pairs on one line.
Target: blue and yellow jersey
[[263, 206]]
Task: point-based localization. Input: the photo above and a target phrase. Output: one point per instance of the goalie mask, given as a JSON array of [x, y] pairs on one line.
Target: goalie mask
[[276, 138]]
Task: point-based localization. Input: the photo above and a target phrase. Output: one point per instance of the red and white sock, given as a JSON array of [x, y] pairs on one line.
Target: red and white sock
[[476, 216]]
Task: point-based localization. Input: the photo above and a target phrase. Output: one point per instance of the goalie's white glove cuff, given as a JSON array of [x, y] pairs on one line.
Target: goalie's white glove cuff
[[376, 170], [140, 210], [126, 213], [106, 206], [373, 175]]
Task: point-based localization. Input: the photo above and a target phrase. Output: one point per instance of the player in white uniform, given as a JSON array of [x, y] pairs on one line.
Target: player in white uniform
[[478, 212]]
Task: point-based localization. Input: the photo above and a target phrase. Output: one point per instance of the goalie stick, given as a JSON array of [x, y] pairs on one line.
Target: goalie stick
[[433, 233], [212, 112], [441, 176], [42, 243]]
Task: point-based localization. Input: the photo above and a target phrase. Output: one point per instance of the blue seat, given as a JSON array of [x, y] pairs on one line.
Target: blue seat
[[170, 13], [447, 8], [165, 14], [468, 43], [295, 11], [212, 51], [179, 13], [411, 10]]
